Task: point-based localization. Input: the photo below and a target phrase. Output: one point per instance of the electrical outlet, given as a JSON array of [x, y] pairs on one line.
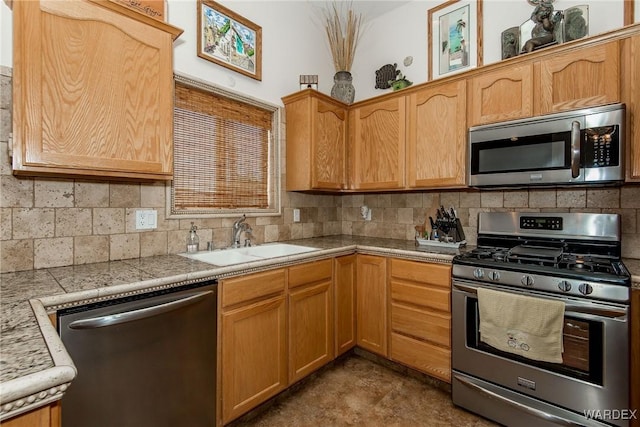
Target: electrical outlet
[[296, 215], [146, 219]]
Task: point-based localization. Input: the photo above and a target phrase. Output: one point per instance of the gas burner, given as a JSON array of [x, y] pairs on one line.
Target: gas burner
[[587, 263]]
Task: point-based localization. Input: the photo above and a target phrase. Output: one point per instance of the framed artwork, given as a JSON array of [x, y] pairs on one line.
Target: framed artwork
[[454, 37], [228, 39]]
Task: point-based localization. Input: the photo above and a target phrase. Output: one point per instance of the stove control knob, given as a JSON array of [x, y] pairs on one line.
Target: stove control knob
[[585, 288], [527, 280], [564, 286], [478, 273], [494, 276]]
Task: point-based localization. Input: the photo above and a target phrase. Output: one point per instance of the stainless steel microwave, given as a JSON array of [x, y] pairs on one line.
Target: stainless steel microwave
[[570, 148]]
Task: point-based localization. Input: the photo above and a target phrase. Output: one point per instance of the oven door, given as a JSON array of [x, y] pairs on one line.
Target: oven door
[[592, 379]]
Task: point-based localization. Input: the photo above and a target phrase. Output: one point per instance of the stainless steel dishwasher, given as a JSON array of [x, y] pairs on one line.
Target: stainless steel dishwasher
[[146, 360]]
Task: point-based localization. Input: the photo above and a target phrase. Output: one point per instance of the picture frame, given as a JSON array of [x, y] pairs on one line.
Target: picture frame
[[226, 38], [454, 37]]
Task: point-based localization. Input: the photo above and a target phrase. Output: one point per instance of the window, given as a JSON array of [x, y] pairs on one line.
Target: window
[[225, 155]]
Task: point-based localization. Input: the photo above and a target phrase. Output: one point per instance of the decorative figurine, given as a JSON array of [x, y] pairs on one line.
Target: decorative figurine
[[575, 24], [385, 75], [400, 82], [545, 21], [510, 42]]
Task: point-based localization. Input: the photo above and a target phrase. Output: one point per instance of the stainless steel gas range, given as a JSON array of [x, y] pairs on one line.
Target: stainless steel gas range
[[569, 257]]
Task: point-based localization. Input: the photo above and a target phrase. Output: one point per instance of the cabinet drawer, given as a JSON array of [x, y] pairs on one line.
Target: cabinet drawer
[[431, 359], [416, 294], [433, 274], [428, 326], [309, 273], [247, 288]]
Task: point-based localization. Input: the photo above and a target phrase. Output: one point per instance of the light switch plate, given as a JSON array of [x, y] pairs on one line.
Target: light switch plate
[[146, 219], [296, 215]]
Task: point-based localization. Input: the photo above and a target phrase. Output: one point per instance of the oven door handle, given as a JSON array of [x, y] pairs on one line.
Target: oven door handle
[[524, 408], [611, 312]]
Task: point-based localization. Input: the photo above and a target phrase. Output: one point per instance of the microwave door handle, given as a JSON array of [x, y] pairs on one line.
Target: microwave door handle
[[575, 149]]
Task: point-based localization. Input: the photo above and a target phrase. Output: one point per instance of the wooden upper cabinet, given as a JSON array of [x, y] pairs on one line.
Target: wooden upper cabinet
[[436, 136], [316, 128], [377, 132], [579, 78], [501, 94], [92, 91]]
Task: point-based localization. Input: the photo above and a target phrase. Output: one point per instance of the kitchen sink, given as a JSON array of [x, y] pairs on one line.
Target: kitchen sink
[[224, 257]]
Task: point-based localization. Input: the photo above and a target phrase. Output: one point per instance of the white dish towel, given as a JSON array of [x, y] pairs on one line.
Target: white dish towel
[[523, 325]]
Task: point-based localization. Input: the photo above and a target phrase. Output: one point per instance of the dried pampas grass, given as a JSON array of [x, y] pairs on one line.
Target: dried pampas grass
[[343, 29]]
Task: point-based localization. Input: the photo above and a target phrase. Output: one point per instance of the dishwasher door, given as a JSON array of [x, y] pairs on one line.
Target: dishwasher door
[[147, 360]]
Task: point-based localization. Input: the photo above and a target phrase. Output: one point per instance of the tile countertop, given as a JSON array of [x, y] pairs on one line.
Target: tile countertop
[[35, 368]]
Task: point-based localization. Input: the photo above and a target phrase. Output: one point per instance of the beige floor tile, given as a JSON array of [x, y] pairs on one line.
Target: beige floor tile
[[355, 391]]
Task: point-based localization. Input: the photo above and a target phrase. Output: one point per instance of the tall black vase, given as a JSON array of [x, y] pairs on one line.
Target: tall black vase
[[342, 89]]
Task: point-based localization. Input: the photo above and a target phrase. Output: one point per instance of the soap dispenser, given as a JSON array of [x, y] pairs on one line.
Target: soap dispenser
[[192, 240]]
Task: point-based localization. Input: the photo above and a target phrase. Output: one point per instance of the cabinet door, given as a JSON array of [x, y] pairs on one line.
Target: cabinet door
[[316, 141], [329, 140], [254, 355], [310, 317], [502, 94], [437, 136], [631, 97], [310, 329], [580, 78], [371, 297], [377, 134], [345, 303], [46, 416], [93, 92]]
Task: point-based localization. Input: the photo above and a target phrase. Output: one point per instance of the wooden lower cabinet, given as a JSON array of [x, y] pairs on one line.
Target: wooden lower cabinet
[[371, 298], [420, 319], [345, 303], [635, 355], [311, 318], [254, 341], [46, 416]]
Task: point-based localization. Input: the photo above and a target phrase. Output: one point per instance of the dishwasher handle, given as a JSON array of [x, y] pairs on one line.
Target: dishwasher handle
[[143, 313]]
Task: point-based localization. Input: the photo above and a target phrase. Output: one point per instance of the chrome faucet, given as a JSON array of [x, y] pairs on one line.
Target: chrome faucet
[[238, 227]]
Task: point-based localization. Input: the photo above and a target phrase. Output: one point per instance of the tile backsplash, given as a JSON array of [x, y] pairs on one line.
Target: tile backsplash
[[56, 222]]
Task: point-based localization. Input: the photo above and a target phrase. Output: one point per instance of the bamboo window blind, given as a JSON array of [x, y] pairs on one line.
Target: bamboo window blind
[[222, 152]]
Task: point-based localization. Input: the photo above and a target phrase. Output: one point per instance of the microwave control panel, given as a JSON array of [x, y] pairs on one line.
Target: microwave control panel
[[601, 147]]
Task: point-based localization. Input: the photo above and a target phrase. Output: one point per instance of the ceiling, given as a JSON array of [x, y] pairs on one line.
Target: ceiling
[[369, 9]]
